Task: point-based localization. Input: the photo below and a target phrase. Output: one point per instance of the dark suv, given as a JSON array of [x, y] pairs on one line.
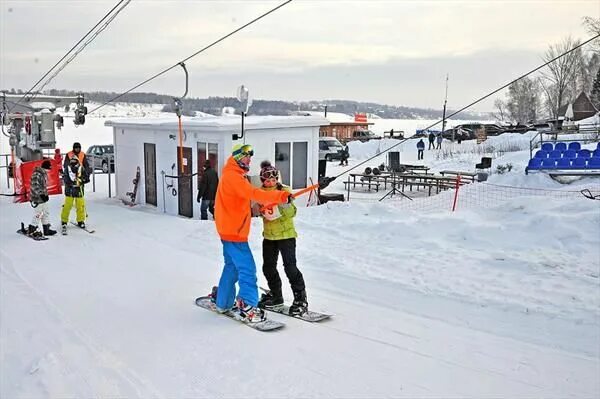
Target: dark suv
[[100, 156]]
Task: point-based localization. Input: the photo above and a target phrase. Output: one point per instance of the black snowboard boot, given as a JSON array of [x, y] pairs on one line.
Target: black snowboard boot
[[270, 301], [300, 305], [81, 224], [63, 228], [33, 231], [48, 231]]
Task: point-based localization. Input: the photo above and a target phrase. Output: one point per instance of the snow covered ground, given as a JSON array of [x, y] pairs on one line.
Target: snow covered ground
[[494, 301]]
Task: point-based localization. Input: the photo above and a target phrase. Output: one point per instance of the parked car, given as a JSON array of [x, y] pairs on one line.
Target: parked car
[[101, 156], [330, 148], [364, 135]]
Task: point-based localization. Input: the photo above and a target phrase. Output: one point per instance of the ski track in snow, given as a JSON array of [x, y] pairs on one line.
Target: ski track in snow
[[481, 303], [75, 348]]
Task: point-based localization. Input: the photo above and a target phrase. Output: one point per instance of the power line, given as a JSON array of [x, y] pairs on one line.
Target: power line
[[474, 102], [66, 55], [193, 55], [83, 46]]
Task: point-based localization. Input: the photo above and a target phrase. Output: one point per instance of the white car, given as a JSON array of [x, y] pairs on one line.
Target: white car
[[330, 148]]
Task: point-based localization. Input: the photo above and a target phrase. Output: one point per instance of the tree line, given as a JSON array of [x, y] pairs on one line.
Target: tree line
[[541, 96]]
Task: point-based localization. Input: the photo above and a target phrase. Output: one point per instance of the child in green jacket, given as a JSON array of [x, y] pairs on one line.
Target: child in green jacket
[[280, 237]]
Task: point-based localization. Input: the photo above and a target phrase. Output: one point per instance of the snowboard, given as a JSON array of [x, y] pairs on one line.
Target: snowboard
[[24, 232], [310, 316], [83, 228], [267, 325], [133, 194]]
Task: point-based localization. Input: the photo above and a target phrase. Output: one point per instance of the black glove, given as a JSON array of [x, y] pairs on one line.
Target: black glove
[[279, 186], [199, 198], [290, 198], [44, 198]]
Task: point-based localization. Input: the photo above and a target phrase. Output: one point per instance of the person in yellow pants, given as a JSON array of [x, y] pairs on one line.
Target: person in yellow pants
[[75, 175]]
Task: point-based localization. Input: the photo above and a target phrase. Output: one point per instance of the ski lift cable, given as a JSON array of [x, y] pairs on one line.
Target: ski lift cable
[[67, 54], [193, 55], [82, 47], [473, 103]]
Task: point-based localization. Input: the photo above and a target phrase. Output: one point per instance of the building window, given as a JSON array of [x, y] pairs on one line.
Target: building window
[[292, 161], [300, 167]]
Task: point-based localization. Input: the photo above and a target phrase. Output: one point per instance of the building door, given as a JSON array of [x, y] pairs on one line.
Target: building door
[[185, 183], [150, 173]]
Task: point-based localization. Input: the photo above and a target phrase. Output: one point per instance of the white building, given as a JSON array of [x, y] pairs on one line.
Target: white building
[[291, 143]]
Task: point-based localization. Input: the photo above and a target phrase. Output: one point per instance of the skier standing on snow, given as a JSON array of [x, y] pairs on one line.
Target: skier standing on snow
[[76, 172], [38, 195], [280, 237], [232, 219], [207, 191]]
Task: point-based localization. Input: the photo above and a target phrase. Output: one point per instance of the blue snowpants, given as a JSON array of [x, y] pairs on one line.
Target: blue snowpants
[[239, 267]]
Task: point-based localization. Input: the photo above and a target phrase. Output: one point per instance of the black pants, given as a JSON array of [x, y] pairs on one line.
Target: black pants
[[287, 248], [419, 154], [431, 145]]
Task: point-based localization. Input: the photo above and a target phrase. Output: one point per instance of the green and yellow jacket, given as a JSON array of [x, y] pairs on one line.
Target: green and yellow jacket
[[283, 227]]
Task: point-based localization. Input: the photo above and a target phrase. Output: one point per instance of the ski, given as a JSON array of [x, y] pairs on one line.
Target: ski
[[267, 325], [83, 228], [310, 316], [22, 231]]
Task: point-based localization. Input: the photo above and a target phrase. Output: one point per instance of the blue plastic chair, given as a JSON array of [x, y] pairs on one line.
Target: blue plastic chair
[[584, 154], [548, 163], [594, 163], [575, 146], [563, 163], [596, 153], [598, 146], [555, 154], [541, 154], [579, 163], [560, 147], [547, 147], [534, 163], [570, 154]]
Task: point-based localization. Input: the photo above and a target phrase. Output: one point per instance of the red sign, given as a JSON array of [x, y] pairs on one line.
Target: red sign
[[360, 118]]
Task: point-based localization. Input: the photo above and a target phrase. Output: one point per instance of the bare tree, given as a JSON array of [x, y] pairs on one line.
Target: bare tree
[[500, 114], [592, 25], [561, 74], [523, 100]]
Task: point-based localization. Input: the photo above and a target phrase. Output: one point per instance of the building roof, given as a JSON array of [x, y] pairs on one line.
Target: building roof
[[582, 108], [220, 123]]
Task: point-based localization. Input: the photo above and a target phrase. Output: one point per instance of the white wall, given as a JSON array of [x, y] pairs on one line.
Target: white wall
[[129, 154]]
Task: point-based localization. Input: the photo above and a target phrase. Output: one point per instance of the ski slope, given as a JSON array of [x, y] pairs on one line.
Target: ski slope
[[497, 302]]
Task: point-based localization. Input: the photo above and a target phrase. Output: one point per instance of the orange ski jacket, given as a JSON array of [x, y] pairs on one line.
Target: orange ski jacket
[[232, 205]]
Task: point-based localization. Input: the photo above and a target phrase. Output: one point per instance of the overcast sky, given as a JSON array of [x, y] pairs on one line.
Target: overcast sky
[[394, 52]]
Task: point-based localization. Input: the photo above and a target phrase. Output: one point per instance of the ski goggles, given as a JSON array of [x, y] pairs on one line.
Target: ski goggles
[[269, 174], [244, 151]]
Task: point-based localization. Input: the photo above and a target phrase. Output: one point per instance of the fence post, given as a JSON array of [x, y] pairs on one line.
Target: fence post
[[93, 176], [162, 172], [109, 182], [456, 193]]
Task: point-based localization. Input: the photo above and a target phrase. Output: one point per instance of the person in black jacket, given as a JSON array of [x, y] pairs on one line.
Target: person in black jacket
[[207, 191], [76, 173]]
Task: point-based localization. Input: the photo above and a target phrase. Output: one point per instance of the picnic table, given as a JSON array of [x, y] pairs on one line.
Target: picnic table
[[459, 173], [427, 181]]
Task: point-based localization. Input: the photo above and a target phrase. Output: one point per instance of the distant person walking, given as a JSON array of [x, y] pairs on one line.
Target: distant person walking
[[439, 142], [420, 149], [431, 138]]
